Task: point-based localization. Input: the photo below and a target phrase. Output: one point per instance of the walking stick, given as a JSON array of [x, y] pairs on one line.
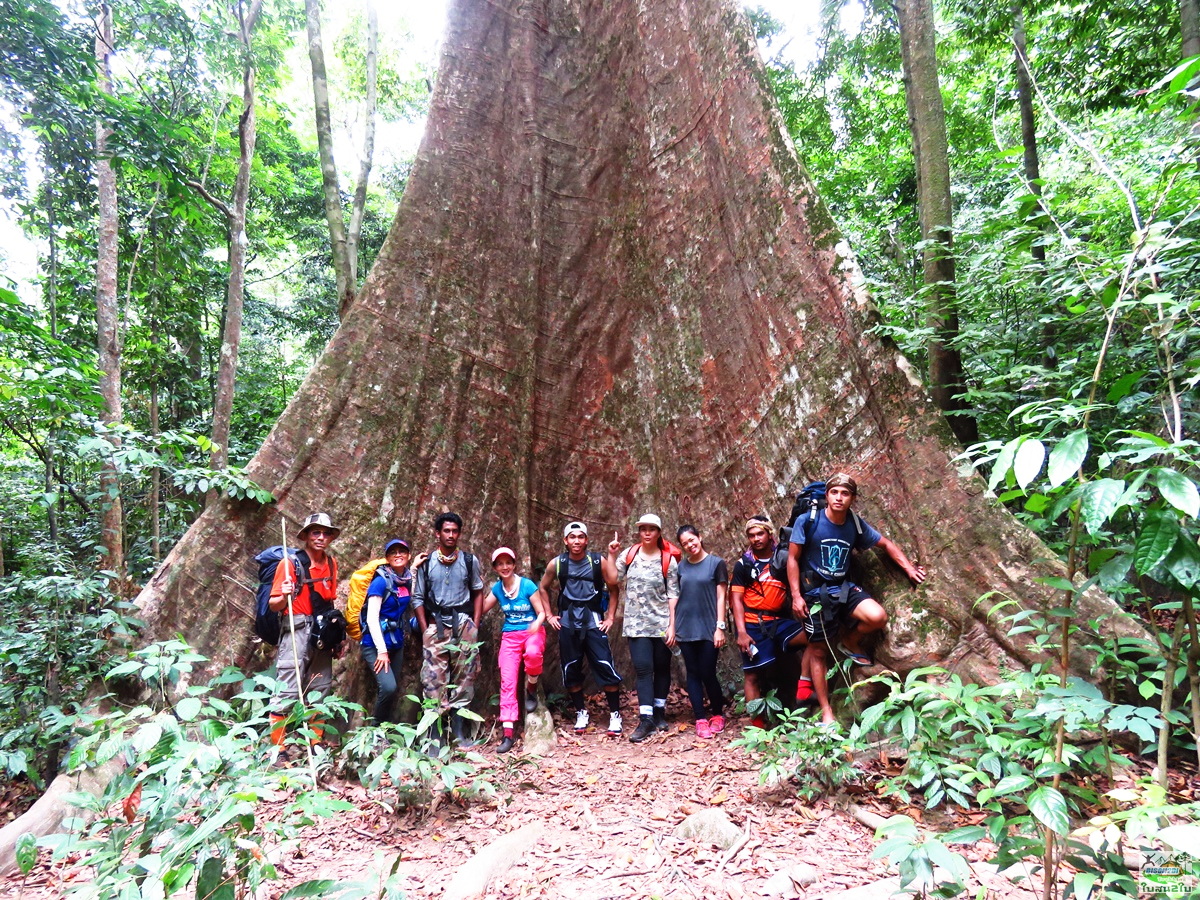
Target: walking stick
[[287, 562]]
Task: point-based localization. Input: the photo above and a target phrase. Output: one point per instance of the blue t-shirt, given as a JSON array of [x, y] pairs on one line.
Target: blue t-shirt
[[391, 610], [518, 611], [827, 548]]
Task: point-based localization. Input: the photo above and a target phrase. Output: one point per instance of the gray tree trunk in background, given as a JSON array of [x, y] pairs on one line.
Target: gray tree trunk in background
[[610, 289], [927, 122], [231, 330], [108, 319]]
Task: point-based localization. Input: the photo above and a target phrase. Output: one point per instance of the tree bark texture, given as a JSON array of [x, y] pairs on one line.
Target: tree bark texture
[[108, 330], [1189, 27], [329, 175], [611, 288], [231, 332], [927, 123]]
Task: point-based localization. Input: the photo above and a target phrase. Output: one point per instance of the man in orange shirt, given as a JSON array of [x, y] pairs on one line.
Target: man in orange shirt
[[761, 606], [303, 669]]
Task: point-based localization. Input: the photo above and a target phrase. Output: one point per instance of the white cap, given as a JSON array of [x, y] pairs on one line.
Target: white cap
[[650, 519], [575, 526], [502, 551]]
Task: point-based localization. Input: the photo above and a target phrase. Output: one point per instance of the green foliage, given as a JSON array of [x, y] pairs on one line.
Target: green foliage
[[818, 759], [57, 633]]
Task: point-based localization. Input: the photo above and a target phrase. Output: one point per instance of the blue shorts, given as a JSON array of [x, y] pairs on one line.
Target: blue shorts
[[770, 642]]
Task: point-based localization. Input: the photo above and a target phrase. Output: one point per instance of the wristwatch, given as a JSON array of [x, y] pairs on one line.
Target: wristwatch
[[720, 626]]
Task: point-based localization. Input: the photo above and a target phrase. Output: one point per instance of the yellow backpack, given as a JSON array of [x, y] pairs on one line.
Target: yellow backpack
[[359, 582]]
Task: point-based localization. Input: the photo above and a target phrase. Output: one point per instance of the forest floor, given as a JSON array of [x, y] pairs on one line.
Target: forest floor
[[596, 819]]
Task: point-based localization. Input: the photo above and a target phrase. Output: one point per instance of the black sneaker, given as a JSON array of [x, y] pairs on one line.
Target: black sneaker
[[644, 729], [660, 718], [530, 703], [505, 745]]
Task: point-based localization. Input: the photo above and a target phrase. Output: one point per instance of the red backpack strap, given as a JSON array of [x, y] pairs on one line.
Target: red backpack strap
[[630, 554]]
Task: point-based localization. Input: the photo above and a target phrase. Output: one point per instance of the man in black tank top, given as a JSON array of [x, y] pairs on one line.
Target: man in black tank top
[[582, 622]]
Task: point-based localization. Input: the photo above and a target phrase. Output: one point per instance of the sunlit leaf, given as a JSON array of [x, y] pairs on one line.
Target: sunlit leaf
[[1066, 457]]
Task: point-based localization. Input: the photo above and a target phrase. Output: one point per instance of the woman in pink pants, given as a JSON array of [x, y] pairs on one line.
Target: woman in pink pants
[[523, 639]]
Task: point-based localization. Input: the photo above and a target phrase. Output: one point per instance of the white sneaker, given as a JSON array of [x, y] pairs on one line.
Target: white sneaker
[[581, 721], [614, 723]]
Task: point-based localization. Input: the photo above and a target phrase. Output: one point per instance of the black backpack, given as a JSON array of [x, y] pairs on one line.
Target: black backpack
[[266, 620], [562, 567], [809, 500]]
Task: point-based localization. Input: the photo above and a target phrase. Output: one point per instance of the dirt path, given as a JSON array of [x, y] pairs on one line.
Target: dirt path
[[608, 809]]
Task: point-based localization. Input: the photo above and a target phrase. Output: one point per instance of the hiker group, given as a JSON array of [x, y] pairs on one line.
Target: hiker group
[[789, 593]]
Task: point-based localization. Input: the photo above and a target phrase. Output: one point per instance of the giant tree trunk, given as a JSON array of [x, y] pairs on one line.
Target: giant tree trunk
[[927, 123], [108, 332], [611, 288]]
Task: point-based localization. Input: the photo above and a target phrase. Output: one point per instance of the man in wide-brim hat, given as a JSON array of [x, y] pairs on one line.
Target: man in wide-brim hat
[[301, 668]]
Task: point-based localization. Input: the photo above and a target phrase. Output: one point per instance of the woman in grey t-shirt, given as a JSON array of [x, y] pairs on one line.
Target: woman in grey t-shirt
[[700, 628]]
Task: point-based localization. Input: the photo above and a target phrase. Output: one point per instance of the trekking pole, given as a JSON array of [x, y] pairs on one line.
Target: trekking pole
[[287, 563]]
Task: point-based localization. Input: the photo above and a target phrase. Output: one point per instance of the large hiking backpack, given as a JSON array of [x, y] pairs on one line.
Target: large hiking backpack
[[267, 624], [562, 566], [809, 500], [669, 551], [357, 598]]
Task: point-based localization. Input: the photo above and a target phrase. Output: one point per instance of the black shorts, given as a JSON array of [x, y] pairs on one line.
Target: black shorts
[[828, 613], [574, 644]]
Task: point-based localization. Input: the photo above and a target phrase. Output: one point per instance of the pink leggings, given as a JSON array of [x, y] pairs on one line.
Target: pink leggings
[[515, 646]]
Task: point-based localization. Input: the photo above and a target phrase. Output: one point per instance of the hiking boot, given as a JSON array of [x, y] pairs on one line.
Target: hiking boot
[[703, 729], [644, 729], [660, 718], [581, 721], [614, 724], [530, 702], [804, 691], [462, 732], [716, 724], [505, 745]]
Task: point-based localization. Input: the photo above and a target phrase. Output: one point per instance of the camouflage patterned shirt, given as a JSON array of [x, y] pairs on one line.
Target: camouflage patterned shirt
[[647, 594]]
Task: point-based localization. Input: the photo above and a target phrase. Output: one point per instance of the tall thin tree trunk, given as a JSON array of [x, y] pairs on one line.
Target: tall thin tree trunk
[[1189, 27], [51, 483], [231, 332], [927, 122], [107, 317], [359, 206], [1031, 165], [329, 175]]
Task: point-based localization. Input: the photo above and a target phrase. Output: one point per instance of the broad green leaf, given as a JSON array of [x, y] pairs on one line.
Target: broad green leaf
[[1184, 563], [188, 708], [1082, 884], [1123, 386], [1011, 784], [1154, 542], [1003, 463], [1100, 502], [26, 853], [1028, 461], [1066, 457], [1179, 490], [1050, 808], [318, 888]]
